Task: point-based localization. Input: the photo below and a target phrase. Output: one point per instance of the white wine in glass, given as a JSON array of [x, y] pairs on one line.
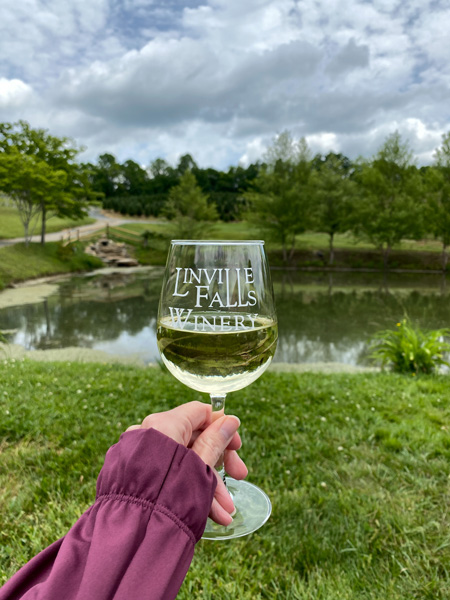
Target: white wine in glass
[[217, 333]]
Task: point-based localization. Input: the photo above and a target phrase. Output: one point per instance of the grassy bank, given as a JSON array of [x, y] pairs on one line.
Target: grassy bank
[[11, 225], [357, 467], [311, 249], [18, 263]]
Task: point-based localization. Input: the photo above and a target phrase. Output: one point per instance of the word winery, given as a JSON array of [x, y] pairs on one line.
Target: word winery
[[184, 319]]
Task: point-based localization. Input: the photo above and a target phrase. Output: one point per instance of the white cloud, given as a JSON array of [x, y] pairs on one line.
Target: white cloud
[[323, 143], [253, 152], [220, 78], [14, 93]]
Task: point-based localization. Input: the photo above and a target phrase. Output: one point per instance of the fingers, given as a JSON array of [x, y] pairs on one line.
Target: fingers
[[180, 422], [235, 443], [222, 507], [212, 442], [131, 427], [219, 514], [210, 447], [234, 465]]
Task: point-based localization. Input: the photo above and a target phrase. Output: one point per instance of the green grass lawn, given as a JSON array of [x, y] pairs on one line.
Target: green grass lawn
[[11, 225], [357, 468], [311, 248], [18, 263], [243, 230]]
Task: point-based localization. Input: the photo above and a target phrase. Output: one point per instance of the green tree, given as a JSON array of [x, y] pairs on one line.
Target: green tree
[[442, 154], [188, 209], [332, 192], [437, 184], [186, 163], [58, 154], [159, 167], [226, 189], [30, 183], [280, 203], [106, 175], [133, 179], [389, 206]]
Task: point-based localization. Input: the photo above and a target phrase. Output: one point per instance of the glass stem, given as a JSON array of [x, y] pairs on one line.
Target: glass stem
[[218, 410]]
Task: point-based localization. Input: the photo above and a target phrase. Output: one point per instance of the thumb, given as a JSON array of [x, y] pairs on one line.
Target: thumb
[[212, 442]]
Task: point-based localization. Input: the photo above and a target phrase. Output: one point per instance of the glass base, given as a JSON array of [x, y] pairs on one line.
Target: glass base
[[253, 508]]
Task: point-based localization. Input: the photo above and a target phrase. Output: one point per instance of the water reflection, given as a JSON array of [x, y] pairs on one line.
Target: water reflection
[[328, 317], [115, 313], [322, 317]]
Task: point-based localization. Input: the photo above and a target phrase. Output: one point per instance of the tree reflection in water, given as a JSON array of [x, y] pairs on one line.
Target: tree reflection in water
[[89, 312], [323, 317], [330, 317]]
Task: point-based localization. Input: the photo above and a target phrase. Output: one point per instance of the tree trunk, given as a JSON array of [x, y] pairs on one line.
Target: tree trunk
[[444, 257], [331, 259], [44, 221], [27, 237], [386, 252], [292, 249], [291, 252]]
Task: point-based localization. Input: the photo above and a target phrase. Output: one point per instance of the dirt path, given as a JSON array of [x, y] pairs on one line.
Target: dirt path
[[102, 219]]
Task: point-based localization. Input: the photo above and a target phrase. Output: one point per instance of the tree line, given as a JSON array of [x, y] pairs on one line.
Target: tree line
[[384, 199]]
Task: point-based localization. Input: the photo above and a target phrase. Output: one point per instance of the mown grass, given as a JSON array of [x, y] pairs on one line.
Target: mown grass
[[316, 241], [11, 225], [18, 263], [311, 249], [357, 467]]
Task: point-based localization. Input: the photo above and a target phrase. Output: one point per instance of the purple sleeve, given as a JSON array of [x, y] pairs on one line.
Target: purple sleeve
[[137, 540]]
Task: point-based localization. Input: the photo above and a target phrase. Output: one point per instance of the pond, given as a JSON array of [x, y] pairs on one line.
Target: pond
[[323, 317]]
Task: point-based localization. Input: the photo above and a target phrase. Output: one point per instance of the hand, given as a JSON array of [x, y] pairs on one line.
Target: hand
[[192, 425]]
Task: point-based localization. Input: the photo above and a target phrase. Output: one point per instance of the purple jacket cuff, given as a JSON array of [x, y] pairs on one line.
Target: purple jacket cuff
[[146, 465]]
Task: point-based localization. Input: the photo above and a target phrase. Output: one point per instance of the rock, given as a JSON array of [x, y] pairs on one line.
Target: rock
[[127, 262], [113, 254]]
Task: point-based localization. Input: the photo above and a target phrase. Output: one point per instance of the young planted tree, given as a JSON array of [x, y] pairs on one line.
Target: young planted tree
[[390, 205], [332, 192], [30, 183], [280, 203], [188, 209], [437, 185], [59, 154], [437, 190]]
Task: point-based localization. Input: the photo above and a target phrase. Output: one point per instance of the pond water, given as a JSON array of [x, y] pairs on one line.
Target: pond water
[[323, 317]]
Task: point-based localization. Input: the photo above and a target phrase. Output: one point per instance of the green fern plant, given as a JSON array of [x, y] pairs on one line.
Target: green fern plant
[[408, 349]]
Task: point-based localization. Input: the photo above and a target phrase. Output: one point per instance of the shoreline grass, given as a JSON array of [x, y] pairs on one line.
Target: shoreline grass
[[311, 249], [308, 240], [357, 468], [19, 263]]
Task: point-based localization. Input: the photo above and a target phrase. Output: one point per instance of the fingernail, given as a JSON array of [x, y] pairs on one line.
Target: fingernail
[[231, 520], [229, 426]]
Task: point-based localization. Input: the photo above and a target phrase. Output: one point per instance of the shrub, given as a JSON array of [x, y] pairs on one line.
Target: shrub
[[408, 349], [73, 254]]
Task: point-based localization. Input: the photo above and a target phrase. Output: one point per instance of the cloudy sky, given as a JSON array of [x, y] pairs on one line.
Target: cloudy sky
[[220, 78]]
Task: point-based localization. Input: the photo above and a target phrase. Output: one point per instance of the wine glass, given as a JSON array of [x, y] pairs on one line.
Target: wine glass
[[217, 333]]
